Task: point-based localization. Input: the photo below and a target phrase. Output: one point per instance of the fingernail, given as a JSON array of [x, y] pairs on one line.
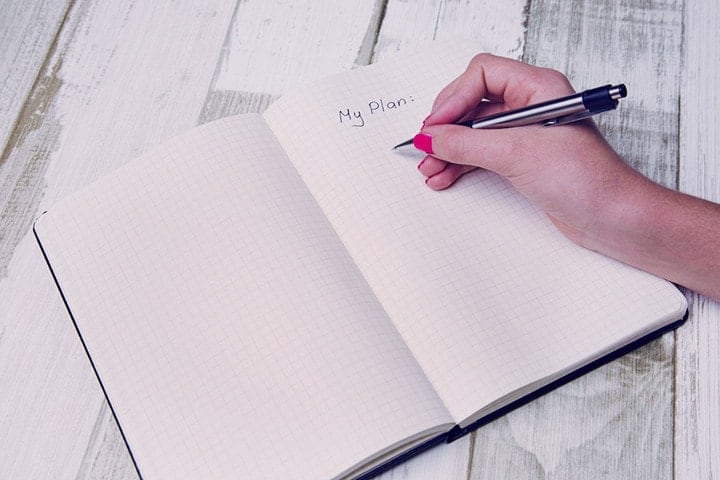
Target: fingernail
[[423, 141], [421, 163]]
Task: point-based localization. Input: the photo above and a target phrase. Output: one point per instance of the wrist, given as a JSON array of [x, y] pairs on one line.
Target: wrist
[[624, 216], [664, 232]]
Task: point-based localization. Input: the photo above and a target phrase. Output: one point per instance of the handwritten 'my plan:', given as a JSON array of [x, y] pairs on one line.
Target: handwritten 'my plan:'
[[356, 118]]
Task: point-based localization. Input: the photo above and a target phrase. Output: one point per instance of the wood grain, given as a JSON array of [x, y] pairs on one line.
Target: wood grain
[[697, 376], [88, 85], [272, 46], [498, 27], [615, 422], [123, 76], [639, 43], [610, 423], [27, 33]]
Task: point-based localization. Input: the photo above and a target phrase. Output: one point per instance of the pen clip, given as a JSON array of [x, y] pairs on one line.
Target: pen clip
[[574, 117], [568, 118]]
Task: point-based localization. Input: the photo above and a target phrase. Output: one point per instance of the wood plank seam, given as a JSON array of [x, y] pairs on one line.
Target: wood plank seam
[[366, 52], [218, 66], [31, 115], [471, 455], [25, 111]]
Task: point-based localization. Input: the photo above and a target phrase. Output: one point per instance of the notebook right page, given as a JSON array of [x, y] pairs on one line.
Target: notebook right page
[[489, 296]]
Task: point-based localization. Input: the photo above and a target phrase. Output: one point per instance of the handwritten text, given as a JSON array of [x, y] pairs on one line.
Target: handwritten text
[[356, 118]]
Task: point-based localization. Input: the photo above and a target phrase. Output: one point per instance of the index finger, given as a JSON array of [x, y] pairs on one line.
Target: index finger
[[489, 77]]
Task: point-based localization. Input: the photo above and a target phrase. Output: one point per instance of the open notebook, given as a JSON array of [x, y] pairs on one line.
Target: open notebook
[[283, 297]]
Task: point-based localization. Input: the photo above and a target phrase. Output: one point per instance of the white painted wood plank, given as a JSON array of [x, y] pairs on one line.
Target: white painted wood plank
[[446, 462], [124, 76], [600, 425], [497, 27], [601, 41], [697, 379], [273, 45], [292, 45], [409, 471], [697, 390], [27, 30], [106, 456], [615, 422]]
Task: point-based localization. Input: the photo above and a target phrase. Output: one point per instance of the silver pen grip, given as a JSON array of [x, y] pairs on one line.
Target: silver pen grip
[[534, 114], [557, 112]]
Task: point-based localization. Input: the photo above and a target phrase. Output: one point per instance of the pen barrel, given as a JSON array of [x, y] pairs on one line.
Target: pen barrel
[[556, 112], [539, 113]]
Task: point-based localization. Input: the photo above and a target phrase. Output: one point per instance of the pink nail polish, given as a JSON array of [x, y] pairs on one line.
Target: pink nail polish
[[423, 141]]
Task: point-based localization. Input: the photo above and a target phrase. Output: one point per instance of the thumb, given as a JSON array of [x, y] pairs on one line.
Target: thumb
[[491, 149]]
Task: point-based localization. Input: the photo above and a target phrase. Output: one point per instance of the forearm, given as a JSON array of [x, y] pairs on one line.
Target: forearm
[[665, 232], [570, 172]]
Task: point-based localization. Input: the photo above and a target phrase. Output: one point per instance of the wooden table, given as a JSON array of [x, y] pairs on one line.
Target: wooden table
[[87, 85]]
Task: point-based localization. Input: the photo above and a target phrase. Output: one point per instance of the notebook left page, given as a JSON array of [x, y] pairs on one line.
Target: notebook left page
[[231, 331]]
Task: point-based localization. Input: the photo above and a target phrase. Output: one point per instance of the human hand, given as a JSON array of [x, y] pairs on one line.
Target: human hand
[[569, 171]]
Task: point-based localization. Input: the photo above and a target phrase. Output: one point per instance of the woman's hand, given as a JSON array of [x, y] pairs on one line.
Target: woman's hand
[[571, 172]]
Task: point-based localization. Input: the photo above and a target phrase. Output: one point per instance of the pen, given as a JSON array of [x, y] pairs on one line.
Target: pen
[[553, 112]]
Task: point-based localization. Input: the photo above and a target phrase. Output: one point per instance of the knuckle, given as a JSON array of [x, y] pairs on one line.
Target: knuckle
[[482, 57], [479, 61], [549, 79], [554, 75]]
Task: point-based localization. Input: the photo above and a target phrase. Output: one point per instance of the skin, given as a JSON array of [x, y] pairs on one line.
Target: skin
[[572, 173]]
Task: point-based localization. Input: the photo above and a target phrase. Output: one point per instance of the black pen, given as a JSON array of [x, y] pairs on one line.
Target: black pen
[[553, 112]]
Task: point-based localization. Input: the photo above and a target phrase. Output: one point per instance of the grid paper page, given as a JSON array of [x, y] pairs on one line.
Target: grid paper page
[[232, 332], [487, 294]]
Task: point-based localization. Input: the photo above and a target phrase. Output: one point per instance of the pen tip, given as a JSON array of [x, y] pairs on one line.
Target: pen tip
[[406, 142]]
